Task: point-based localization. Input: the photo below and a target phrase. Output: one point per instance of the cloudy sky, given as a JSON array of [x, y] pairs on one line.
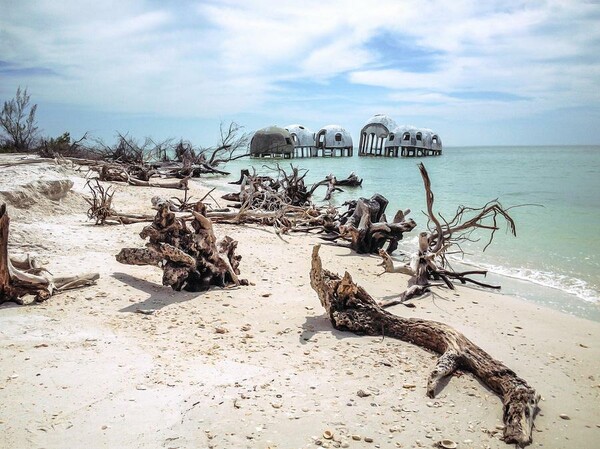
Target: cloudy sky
[[478, 72]]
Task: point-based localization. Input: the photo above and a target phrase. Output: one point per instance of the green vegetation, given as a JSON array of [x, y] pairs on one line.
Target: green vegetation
[[17, 123]]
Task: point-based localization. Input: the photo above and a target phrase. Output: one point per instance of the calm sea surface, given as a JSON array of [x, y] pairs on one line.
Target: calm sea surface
[[555, 258]]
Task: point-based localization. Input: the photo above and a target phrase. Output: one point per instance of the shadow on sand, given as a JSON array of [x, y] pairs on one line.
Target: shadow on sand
[[316, 324], [159, 296]]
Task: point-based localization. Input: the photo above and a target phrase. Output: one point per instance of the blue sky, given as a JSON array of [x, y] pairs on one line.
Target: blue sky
[[491, 73]]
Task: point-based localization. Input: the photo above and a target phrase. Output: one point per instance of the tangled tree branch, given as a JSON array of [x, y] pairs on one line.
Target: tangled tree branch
[[429, 266], [190, 256], [101, 207]]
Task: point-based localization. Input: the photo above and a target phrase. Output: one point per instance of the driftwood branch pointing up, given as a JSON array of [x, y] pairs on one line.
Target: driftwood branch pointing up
[[101, 207], [429, 265], [351, 308]]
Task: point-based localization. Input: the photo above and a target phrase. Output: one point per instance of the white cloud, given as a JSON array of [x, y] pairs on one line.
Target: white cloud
[[227, 57]]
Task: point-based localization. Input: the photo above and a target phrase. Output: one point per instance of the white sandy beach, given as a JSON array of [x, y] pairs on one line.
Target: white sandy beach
[[257, 366]]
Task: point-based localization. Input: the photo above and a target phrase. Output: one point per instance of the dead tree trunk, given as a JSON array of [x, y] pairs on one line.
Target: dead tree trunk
[[20, 278], [7, 290], [351, 308], [191, 259], [180, 185]]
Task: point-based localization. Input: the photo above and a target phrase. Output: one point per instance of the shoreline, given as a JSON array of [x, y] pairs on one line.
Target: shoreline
[[538, 292], [92, 371]]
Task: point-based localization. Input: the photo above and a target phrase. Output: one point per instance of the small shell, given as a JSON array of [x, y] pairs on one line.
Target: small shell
[[447, 444], [328, 434]]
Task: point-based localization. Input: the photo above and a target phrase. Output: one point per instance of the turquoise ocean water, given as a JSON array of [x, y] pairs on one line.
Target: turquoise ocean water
[[555, 258]]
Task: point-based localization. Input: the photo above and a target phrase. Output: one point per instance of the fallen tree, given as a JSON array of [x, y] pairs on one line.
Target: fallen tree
[[190, 256], [351, 308], [19, 278], [429, 266]]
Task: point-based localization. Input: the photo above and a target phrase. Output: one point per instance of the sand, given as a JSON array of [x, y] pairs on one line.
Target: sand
[[129, 363]]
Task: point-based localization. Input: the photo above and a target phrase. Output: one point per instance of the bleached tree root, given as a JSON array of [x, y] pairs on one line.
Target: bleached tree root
[[19, 278], [351, 308]]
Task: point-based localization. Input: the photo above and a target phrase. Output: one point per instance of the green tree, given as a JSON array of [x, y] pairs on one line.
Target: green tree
[[17, 121]]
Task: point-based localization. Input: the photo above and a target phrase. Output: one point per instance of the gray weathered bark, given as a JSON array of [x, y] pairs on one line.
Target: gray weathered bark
[[191, 259], [351, 308]]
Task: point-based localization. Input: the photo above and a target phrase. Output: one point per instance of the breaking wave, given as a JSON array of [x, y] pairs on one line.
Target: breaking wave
[[568, 284], [564, 283]]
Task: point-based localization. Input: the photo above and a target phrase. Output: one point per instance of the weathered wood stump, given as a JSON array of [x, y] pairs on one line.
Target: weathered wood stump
[[351, 308], [190, 257], [368, 229]]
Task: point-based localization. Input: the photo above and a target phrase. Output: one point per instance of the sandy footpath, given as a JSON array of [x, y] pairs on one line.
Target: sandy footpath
[[129, 363]]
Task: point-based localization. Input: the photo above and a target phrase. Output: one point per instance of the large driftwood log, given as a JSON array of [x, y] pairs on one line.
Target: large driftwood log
[[19, 278], [191, 259], [351, 308]]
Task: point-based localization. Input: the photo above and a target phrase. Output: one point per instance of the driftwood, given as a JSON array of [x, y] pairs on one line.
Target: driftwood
[[192, 171], [429, 265], [351, 181], [139, 175], [367, 229], [246, 173], [288, 188], [19, 278], [333, 184], [269, 194], [101, 209], [176, 204], [191, 258], [180, 185], [284, 202], [351, 308]]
